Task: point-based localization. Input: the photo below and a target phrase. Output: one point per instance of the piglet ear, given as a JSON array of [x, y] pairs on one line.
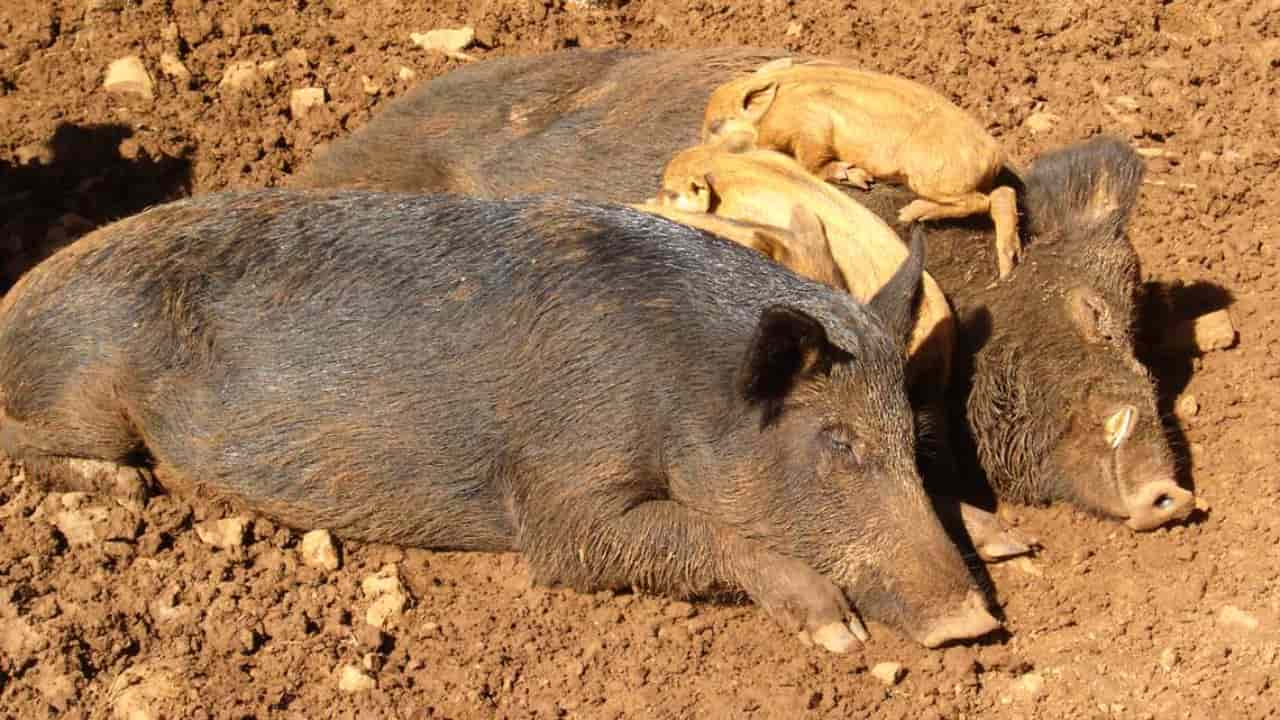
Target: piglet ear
[[757, 98], [788, 346], [896, 303]]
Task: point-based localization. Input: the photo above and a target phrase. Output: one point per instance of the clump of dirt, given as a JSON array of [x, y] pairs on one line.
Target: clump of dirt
[[111, 610]]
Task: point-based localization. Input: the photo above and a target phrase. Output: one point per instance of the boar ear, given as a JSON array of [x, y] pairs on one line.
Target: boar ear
[[1091, 315], [810, 235], [896, 303], [788, 346], [1084, 191], [757, 98]]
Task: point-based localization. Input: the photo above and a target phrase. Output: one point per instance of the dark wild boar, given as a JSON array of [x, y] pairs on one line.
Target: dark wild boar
[[624, 400], [607, 121]]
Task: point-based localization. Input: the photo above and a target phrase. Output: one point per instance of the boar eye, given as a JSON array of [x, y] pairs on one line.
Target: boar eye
[[839, 441]]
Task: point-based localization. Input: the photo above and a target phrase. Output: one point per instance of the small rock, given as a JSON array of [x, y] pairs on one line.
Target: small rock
[[369, 86], [386, 609], [319, 551], [1030, 683], [1187, 406], [1168, 659], [79, 527], [794, 28], [370, 638], [1040, 122], [297, 57], [386, 580], [170, 65], [128, 75], [352, 679], [450, 42], [303, 99], [888, 673], [1233, 617], [405, 73], [223, 534], [1209, 332], [142, 691], [240, 75]]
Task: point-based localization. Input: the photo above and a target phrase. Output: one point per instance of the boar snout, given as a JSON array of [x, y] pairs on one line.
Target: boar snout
[[970, 620], [1152, 498], [1157, 503]]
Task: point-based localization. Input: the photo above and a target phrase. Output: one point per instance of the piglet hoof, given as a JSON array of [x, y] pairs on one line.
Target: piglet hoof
[[846, 174]]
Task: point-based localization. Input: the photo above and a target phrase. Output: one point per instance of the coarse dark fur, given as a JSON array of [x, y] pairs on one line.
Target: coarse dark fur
[[1049, 351], [623, 399]]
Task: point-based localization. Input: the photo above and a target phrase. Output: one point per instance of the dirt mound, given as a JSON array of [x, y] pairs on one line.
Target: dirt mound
[[114, 611]]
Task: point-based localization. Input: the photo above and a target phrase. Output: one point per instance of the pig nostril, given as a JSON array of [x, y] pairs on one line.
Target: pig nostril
[[1163, 502]]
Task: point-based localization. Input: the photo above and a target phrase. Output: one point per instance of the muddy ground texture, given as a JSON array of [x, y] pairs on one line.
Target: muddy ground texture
[[108, 609]]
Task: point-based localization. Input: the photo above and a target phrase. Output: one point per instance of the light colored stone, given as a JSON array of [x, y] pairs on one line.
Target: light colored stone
[[369, 86], [386, 609], [405, 73], [1030, 683], [1041, 122], [794, 28], [240, 75], [129, 76], [1169, 659], [303, 99], [888, 673], [319, 550], [386, 580], [79, 526], [170, 65], [143, 691], [1233, 617], [352, 679], [1187, 406], [223, 534], [448, 41]]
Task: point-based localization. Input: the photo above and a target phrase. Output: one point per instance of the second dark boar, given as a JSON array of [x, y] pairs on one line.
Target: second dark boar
[[1060, 409], [625, 400]]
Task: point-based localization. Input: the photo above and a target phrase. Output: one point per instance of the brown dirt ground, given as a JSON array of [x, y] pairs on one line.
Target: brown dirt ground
[[1103, 623]]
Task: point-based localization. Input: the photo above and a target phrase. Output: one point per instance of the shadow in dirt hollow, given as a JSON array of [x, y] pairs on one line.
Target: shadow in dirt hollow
[[82, 177]]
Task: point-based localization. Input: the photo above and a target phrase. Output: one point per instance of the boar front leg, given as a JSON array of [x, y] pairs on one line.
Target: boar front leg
[[659, 546]]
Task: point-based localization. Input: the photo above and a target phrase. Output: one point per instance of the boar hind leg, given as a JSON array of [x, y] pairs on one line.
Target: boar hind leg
[[659, 546], [77, 457], [1001, 205]]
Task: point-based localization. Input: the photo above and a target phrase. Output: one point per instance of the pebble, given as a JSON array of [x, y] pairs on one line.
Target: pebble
[[448, 41], [303, 99], [1233, 617], [888, 673], [1187, 406], [352, 679], [387, 608], [1030, 683], [170, 65], [1040, 122], [239, 75], [79, 526], [223, 534], [129, 76], [405, 73], [1168, 659], [319, 551]]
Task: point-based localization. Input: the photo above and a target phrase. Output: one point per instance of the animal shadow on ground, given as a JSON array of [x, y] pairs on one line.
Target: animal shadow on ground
[[78, 180], [1163, 306]]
